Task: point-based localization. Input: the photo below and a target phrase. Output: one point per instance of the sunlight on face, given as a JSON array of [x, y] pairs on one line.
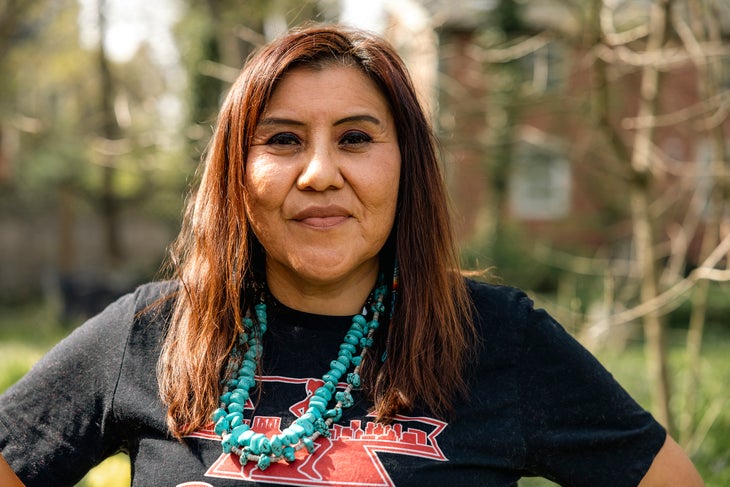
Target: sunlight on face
[[322, 178]]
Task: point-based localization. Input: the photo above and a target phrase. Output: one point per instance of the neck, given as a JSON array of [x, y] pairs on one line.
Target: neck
[[336, 298]]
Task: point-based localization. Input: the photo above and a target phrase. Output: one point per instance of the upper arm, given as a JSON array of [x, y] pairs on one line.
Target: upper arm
[[7, 476], [671, 467]]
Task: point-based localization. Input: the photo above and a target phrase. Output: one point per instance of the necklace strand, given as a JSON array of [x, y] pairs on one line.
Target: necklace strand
[[238, 438]]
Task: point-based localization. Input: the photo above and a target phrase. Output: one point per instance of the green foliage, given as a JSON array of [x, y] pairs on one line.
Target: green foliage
[[718, 308], [508, 14], [509, 259]]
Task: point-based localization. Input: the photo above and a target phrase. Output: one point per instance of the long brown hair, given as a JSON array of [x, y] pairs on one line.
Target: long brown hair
[[215, 258]]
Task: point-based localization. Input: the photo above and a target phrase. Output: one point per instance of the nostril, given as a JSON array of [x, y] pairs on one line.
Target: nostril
[[320, 173]]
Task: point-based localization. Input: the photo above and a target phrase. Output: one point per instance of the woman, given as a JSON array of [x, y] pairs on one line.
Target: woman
[[316, 331]]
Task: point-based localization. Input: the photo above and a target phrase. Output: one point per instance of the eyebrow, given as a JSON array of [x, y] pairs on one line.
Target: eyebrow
[[286, 121]]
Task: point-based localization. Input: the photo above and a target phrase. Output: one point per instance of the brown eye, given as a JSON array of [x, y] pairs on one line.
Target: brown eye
[[285, 138], [355, 138]]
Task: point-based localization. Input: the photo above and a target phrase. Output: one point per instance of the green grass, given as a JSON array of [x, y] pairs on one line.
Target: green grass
[[709, 447], [27, 332]]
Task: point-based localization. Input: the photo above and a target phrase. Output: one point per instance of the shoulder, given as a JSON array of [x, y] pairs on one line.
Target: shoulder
[[502, 317], [491, 298], [144, 309], [152, 295], [501, 308], [511, 329]]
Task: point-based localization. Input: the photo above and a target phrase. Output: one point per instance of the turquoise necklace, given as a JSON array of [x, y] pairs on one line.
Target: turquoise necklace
[[238, 438]]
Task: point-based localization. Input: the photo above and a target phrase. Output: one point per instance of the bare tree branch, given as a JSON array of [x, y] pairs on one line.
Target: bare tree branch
[[669, 299]]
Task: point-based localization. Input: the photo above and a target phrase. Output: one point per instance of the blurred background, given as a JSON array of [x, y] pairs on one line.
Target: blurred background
[[583, 142]]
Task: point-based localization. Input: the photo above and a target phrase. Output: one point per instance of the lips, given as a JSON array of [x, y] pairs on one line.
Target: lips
[[322, 217]]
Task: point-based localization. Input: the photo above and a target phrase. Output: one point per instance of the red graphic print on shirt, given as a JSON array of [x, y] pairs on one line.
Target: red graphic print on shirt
[[347, 458]]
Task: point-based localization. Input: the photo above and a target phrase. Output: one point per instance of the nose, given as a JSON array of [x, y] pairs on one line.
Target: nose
[[321, 170]]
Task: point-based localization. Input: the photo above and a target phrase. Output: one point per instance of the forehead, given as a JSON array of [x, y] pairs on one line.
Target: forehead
[[328, 86]]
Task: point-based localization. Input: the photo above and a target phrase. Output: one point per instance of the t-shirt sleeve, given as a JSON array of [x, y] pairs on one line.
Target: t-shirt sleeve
[[58, 421], [581, 427]]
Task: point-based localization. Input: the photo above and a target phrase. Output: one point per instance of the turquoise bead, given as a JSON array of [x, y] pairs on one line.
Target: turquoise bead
[[324, 393], [344, 361], [356, 360], [244, 437], [351, 339], [330, 379], [246, 382], [318, 402], [309, 444], [236, 421], [366, 342], [330, 386], [314, 412], [308, 426], [291, 436], [221, 425], [359, 319], [350, 347], [239, 396], [234, 407], [337, 373], [227, 443], [251, 354], [356, 333], [334, 413], [248, 368], [226, 397], [353, 379], [289, 454], [298, 429], [265, 446], [255, 443], [373, 325], [238, 431], [231, 416], [339, 366], [277, 446], [345, 398], [321, 427], [241, 391], [308, 417], [264, 462], [218, 414]]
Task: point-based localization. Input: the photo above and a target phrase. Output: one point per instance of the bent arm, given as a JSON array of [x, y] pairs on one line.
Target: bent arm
[[7, 476], [671, 467]]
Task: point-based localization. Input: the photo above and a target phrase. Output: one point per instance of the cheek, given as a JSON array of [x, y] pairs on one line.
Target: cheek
[[262, 186]]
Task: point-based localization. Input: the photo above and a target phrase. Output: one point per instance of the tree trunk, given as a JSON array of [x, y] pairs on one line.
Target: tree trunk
[[109, 131], [643, 223], [705, 28]]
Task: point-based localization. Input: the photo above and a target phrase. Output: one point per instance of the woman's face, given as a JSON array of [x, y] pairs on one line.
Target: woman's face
[[322, 178]]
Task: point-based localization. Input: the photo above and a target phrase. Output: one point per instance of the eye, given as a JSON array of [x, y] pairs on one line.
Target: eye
[[284, 138], [355, 138]]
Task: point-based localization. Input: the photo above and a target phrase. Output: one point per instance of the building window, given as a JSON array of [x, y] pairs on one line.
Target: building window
[[543, 69], [540, 184]]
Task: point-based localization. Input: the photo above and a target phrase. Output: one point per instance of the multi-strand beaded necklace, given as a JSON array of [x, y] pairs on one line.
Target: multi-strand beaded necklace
[[238, 437]]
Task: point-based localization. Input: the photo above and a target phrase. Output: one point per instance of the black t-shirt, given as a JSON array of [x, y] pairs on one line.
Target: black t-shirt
[[539, 405]]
